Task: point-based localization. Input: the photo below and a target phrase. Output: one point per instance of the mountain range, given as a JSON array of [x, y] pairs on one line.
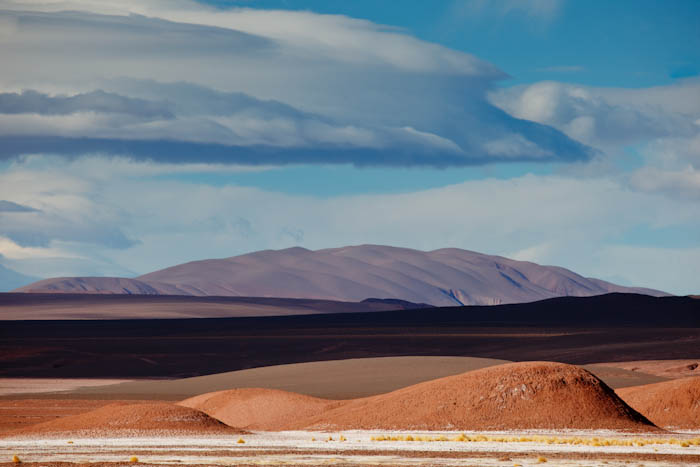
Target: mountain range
[[444, 277]]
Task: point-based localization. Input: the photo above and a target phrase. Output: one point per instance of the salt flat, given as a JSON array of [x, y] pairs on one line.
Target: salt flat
[[361, 448]]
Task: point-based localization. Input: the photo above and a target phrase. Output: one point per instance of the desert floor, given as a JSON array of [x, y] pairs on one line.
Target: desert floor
[[359, 448], [348, 378], [334, 379], [53, 369]]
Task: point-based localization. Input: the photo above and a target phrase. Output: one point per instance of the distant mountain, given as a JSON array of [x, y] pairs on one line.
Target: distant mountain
[[444, 277], [10, 279]]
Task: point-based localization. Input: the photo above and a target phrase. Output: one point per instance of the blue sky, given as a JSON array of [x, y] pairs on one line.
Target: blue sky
[[144, 134], [597, 42]]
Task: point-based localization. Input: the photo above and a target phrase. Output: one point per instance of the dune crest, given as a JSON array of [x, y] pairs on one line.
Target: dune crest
[[671, 404], [529, 395]]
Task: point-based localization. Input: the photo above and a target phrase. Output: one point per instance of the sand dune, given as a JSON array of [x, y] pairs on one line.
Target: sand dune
[[444, 277], [542, 395], [671, 404], [131, 420], [335, 379], [21, 413], [260, 409]]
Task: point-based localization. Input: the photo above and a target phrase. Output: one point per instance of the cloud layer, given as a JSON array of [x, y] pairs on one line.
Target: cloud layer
[[551, 219], [247, 86]]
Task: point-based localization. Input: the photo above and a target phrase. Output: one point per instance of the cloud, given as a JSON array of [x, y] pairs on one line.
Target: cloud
[[63, 211], [60, 260], [554, 219], [249, 87], [682, 183], [661, 124], [9, 206], [96, 101], [42, 228], [606, 117]]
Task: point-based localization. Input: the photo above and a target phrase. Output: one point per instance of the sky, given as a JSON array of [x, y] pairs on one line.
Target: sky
[[135, 135]]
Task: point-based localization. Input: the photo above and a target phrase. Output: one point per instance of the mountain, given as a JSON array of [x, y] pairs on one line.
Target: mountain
[[10, 279], [444, 277]]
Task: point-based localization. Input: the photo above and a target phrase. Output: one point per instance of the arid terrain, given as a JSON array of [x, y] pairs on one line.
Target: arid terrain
[[579, 330], [503, 414], [350, 233], [425, 386], [72, 306]]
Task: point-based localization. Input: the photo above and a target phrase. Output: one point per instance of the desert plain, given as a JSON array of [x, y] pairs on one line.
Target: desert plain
[[463, 386]]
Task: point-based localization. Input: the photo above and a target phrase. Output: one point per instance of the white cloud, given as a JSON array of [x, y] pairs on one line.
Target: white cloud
[[606, 117], [682, 183], [13, 251], [661, 123]]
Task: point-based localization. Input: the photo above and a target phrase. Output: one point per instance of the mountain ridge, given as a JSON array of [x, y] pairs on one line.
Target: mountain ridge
[[442, 277]]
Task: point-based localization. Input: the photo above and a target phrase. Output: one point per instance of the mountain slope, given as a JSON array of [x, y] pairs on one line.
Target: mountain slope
[[441, 277]]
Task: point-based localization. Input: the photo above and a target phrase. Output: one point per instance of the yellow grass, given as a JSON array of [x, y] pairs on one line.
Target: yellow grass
[[240, 441], [16, 459], [571, 440], [134, 460]]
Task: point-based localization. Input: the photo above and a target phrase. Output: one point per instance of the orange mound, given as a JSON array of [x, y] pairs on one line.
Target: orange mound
[[260, 409], [131, 419], [513, 396], [671, 404]]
